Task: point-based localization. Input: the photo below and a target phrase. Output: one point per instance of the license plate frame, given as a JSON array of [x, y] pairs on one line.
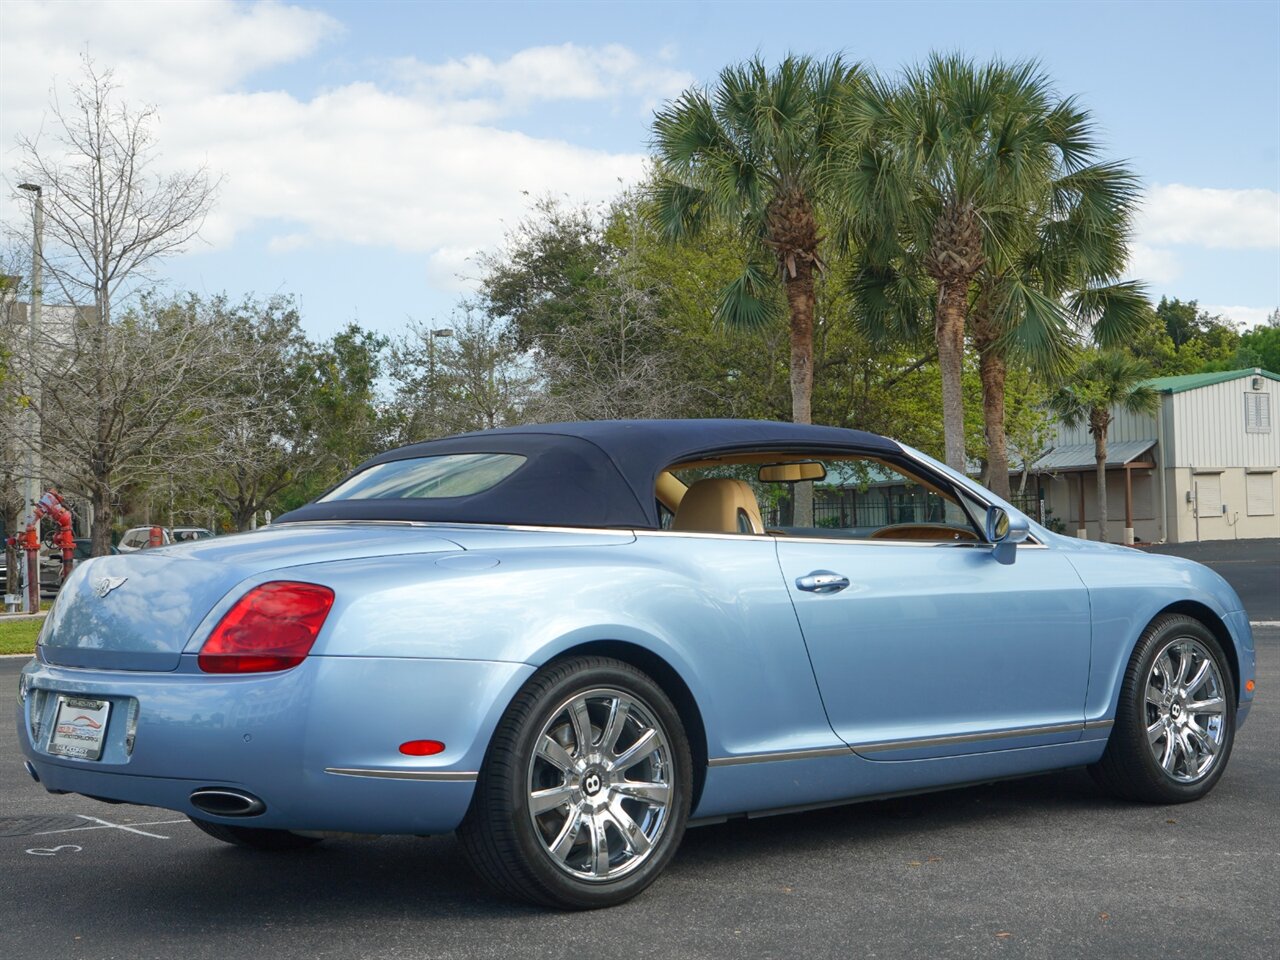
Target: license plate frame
[[79, 727]]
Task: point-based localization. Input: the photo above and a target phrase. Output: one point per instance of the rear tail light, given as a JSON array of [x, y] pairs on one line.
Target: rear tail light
[[272, 627]]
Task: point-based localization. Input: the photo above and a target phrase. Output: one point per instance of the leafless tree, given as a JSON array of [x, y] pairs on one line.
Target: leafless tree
[[476, 379], [109, 216], [607, 365]]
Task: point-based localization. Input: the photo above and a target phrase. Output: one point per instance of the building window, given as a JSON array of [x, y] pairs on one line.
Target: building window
[[1259, 491], [1257, 413]]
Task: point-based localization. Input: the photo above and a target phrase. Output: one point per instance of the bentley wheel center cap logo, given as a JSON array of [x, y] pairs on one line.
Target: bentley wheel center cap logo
[[104, 585]]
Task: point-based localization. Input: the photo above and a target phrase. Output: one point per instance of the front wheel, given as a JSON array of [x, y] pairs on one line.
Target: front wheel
[[1175, 721], [585, 791]]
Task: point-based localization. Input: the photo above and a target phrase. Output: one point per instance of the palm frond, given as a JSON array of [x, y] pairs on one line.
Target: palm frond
[[750, 300]]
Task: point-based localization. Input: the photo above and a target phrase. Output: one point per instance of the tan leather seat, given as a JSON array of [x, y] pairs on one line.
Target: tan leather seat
[[719, 506]]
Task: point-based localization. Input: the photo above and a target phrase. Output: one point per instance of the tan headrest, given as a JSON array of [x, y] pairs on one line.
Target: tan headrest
[[719, 506]]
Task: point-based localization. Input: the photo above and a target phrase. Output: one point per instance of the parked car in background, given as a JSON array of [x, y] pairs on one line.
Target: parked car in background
[[139, 538], [190, 534], [51, 563], [567, 642]]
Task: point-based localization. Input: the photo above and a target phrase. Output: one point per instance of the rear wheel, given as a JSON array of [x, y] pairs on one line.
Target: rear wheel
[[256, 838], [585, 791], [1175, 721]]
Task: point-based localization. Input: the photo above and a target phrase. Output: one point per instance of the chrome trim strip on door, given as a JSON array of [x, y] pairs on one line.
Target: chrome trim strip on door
[[784, 755], [920, 742], [912, 744], [448, 775]]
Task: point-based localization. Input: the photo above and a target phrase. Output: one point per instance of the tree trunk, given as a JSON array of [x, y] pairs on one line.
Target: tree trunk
[[993, 370], [102, 517], [800, 300], [953, 302], [1100, 457], [12, 516]]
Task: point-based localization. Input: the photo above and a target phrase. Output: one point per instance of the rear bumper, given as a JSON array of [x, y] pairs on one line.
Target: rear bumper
[[317, 744]]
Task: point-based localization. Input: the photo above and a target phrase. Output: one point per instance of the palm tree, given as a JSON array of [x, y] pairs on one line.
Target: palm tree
[[753, 151], [1032, 300], [939, 173], [1104, 382]]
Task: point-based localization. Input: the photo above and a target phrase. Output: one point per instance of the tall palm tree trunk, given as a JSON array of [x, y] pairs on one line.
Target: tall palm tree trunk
[[798, 282], [1100, 458], [949, 328], [993, 371]]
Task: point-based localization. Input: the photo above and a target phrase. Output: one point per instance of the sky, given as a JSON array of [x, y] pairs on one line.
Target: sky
[[366, 151]]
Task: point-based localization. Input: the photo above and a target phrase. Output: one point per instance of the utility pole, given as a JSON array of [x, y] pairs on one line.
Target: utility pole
[[31, 488], [431, 367]]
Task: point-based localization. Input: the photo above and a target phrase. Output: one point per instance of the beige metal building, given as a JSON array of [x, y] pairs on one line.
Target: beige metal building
[[1206, 467]]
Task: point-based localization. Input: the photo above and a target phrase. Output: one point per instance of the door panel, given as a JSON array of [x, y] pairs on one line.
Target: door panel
[[942, 647]]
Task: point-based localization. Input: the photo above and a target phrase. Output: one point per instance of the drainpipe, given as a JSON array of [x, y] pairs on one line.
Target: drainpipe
[[1161, 475]]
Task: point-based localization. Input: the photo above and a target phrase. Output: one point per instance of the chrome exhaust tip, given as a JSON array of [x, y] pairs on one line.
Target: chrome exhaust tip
[[31, 770], [227, 802]]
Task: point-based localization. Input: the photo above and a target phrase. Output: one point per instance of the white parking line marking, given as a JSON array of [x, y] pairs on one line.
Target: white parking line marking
[[1264, 623], [100, 824], [53, 851]]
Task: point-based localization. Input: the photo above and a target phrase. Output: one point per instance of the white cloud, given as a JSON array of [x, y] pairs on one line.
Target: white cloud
[[564, 72], [1153, 264], [1175, 214], [1246, 317], [420, 166]]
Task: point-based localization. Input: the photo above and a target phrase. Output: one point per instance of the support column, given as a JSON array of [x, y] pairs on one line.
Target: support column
[[1082, 528], [1128, 505]]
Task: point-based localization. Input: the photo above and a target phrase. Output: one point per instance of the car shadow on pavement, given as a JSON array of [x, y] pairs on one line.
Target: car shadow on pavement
[[376, 880]]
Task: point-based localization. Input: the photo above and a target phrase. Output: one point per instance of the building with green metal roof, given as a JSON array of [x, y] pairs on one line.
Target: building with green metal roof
[[1206, 467]]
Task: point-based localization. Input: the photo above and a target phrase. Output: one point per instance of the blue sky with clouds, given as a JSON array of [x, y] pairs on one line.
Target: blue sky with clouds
[[369, 149]]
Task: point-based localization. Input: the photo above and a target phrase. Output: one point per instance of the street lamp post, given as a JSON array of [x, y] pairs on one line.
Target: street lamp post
[[431, 365], [31, 486]]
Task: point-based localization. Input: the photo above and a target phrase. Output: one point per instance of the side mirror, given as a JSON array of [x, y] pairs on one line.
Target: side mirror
[[1004, 533]]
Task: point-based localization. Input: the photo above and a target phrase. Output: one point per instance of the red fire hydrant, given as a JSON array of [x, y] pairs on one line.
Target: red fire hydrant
[[50, 505]]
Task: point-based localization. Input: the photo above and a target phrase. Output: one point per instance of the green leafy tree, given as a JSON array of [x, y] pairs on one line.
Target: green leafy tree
[[1104, 382], [1260, 347]]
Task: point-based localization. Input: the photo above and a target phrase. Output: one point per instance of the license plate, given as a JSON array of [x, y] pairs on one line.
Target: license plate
[[79, 727]]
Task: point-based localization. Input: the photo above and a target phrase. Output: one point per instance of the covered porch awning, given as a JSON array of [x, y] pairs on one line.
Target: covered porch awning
[[1077, 457]]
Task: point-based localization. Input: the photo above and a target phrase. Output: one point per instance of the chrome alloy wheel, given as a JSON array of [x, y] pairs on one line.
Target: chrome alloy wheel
[[600, 784], [1185, 710]]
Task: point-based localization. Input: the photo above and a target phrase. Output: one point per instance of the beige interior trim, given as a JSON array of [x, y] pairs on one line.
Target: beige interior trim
[[670, 490]]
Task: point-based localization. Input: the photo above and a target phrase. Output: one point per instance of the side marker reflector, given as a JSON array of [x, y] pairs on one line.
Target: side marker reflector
[[1248, 685], [421, 748]]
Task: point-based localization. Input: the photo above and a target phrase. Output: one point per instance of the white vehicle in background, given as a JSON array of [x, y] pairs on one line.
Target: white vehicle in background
[[139, 538]]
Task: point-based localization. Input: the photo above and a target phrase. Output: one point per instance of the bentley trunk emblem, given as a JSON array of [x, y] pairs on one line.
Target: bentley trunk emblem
[[104, 585]]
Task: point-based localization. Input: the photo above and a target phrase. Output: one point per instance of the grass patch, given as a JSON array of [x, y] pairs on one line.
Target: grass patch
[[19, 636]]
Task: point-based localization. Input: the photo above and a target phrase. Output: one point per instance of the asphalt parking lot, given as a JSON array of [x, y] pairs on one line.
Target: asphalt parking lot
[[1042, 867]]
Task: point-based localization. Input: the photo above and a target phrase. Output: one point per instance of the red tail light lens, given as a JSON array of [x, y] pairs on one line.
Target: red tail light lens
[[272, 627]]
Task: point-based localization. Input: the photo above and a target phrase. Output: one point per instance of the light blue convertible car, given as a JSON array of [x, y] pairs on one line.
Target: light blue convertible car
[[569, 642]]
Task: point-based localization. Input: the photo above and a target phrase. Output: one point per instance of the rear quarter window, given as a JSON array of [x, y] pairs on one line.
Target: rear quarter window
[[426, 478]]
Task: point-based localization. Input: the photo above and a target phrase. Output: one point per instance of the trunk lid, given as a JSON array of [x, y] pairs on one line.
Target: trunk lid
[[137, 611]]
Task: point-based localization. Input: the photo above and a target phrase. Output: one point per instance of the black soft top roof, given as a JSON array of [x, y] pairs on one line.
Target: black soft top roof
[[598, 473]]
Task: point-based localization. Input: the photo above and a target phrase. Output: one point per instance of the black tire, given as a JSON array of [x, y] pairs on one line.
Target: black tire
[[511, 846], [1129, 767], [255, 838]]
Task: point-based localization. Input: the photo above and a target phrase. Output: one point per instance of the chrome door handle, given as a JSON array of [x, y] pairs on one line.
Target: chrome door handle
[[822, 581]]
